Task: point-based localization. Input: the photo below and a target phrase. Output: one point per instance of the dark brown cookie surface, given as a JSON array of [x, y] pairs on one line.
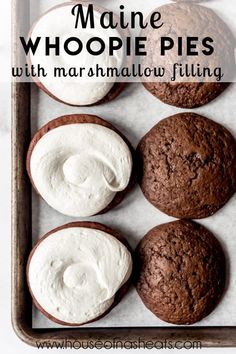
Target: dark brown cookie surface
[[80, 119], [186, 94], [187, 166], [180, 271], [182, 20], [92, 225]]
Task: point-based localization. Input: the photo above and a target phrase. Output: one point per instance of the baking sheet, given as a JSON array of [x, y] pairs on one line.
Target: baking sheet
[[134, 112]]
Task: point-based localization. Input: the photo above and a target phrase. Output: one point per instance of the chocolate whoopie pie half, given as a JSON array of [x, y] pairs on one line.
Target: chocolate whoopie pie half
[[185, 19], [56, 266], [80, 119], [180, 272], [186, 95], [115, 89], [187, 166]]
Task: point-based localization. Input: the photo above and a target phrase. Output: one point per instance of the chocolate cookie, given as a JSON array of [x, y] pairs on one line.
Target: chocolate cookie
[[187, 94], [85, 225], [186, 19], [180, 271], [83, 119], [187, 166]]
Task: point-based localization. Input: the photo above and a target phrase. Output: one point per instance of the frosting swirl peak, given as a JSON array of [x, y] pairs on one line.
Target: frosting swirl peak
[[79, 168], [75, 273]]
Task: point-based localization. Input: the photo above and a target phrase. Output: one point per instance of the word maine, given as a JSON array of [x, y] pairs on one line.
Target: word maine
[[84, 15]]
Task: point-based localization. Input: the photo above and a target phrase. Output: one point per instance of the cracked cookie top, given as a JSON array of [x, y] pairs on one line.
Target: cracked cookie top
[[182, 20], [180, 271], [188, 166]]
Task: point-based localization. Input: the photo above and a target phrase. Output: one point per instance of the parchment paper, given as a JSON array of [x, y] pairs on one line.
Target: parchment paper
[[134, 112]]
